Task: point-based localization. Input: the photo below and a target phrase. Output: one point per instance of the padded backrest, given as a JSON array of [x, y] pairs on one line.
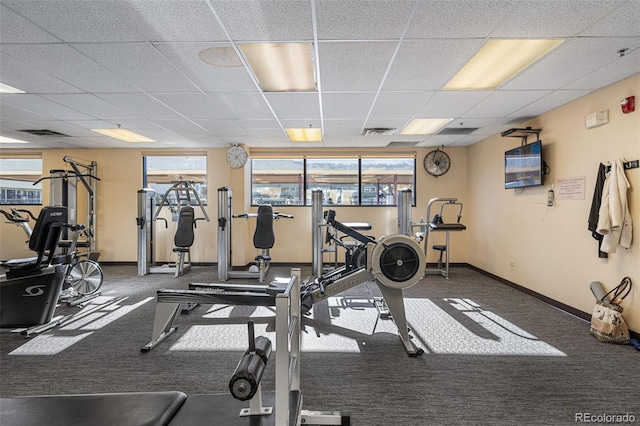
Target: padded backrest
[[186, 222], [263, 237], [49, 223]]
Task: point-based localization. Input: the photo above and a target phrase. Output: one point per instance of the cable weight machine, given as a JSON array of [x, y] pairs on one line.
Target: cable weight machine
[[180, 195]]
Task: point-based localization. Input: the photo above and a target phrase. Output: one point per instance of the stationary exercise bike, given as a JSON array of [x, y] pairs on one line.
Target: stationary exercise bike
[[82, 277]]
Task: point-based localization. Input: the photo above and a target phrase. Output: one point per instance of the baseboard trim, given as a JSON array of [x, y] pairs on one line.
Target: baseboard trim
[[585, 316]]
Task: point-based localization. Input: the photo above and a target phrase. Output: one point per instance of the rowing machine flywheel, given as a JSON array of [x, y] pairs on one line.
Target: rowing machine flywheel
[[397, 261]]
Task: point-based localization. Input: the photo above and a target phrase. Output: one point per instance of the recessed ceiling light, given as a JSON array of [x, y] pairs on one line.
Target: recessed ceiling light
[[4, 139], [281, 67], [123, 135], [305, 135], [425, 126], [498, 61], [5, 88]]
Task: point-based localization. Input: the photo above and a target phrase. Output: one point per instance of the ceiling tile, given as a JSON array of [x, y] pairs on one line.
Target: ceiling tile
[[428, 64], [170, 20], [139, 105], [346, 106], [458, 19], [295, 105], [90, 105], [451, 103], [269, 20], [15, 29], [44, 107], [361, 20], [547, 103], [80, 20], [503, 103], [552, 18], [353, 66], [30, 79], [67, 64], [399, 104], [141, 64], [623, 22]]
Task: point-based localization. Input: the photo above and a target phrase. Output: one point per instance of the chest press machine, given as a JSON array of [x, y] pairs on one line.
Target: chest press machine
[[263, 238], [180, 198], [174, 408]]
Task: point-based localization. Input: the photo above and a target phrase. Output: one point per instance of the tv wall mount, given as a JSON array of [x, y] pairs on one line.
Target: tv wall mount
[[522, 133]]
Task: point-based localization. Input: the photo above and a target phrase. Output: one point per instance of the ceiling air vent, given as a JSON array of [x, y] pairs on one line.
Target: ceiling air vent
[[43, 132], [457, 130], [400, 144], [378, 131]]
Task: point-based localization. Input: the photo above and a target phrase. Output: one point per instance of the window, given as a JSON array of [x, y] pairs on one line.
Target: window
[[382, 178], [337, 178], [162, 172], [277, 181], [352, 181], [17, 178]]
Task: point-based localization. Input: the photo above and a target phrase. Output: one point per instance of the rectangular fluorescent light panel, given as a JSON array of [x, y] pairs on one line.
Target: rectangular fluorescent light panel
[[281, 67], [123, 135], [5, 88], [498, 61], [425, 126], [4, 139], [305, 135]]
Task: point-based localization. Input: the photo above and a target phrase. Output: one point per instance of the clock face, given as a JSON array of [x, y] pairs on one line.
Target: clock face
[[237, 157], [437, 163]]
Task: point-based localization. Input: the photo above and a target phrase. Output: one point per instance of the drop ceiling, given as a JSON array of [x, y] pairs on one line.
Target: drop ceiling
[[135, 64]]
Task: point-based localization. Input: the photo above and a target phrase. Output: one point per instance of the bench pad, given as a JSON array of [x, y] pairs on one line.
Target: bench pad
[[107, 409]]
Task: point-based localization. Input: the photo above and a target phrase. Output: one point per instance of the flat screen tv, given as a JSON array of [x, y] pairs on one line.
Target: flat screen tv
[[523, 166]]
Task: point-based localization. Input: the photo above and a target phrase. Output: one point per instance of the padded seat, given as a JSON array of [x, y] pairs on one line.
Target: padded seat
[[183, 240], [110, 409], [44, 241]]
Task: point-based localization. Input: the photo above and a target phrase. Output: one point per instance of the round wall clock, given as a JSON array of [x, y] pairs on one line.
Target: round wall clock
[[237, 156], [437, 162]]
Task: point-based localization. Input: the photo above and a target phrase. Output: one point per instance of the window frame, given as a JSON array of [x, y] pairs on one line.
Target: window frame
[[204, 183], [26, 192], [306, 201]]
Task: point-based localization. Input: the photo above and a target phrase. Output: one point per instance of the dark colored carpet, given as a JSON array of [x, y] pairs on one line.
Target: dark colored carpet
[[480, 367]]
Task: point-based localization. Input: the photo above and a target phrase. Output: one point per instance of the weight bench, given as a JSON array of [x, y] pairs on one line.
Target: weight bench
[[109, 409]]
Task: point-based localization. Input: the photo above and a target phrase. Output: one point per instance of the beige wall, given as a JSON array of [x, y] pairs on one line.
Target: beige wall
[[120, 173], [551, 250]]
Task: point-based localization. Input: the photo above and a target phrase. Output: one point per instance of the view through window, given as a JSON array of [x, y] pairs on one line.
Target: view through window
[[162, 172], [17, 178], [344, 181]]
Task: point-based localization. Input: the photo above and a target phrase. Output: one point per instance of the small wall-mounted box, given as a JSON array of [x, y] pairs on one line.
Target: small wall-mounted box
[[596, 119]]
